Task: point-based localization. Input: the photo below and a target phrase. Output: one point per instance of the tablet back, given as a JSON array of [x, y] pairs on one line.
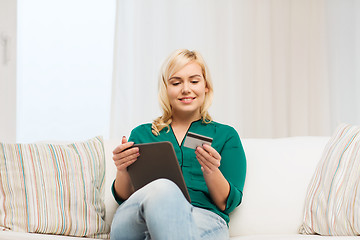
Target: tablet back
[[156, 160]]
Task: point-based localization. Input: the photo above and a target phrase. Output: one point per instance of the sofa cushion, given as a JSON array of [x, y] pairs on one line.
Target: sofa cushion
[[292, 237], [53, 188], [333, 198], [11, 235]]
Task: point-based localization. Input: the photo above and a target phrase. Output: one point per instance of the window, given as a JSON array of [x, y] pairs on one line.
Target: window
[[64, 71]]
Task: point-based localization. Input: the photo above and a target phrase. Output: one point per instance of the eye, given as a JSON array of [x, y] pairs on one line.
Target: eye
[[175, 83], [194, 81]]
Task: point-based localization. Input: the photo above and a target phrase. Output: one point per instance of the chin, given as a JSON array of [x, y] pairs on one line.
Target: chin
[[189, 112]]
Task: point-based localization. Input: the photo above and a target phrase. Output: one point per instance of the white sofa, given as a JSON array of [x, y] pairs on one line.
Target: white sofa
[[278, 173]]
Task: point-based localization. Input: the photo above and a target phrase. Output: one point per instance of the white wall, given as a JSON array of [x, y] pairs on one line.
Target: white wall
[[7, 70], [65, 60]]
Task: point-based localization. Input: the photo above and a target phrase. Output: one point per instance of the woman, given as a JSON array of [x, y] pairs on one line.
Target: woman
[[214, 174]]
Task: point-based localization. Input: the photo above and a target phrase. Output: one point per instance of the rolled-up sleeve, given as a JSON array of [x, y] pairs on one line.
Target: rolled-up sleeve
[[233, 167]]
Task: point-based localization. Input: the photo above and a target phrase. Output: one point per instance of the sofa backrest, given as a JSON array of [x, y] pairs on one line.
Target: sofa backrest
[[110, 175], [278, 174]]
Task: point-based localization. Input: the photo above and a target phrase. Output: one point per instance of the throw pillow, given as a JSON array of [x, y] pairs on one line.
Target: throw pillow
[[53, 188], [332, 204]]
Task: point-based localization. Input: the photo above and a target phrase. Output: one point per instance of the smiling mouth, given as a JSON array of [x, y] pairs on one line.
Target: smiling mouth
[[187, 99]]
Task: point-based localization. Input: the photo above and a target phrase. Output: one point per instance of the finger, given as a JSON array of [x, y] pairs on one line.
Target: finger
[[212, 151], [206, 170], [130, 157], [127, 159], [204, 167], [205, 163], [122, 147], [123, 140], [123, 166], [202, 161], [209, 158], [213, 164], [125, 153]]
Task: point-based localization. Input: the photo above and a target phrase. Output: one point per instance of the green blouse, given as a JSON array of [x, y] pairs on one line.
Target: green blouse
[[226, 142]]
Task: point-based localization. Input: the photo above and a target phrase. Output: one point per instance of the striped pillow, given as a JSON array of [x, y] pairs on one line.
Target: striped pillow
[[332, 205], [53, 188]]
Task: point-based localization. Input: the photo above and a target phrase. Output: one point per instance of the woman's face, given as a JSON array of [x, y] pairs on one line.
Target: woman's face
[[186, 91]]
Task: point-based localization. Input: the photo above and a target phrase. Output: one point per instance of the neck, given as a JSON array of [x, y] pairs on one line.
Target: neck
[[182, 120]]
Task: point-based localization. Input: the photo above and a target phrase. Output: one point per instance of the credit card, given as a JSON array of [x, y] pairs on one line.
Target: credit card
[[194, 140]]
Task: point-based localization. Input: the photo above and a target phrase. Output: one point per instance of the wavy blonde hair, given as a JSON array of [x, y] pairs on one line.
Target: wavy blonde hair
[[176, 61]]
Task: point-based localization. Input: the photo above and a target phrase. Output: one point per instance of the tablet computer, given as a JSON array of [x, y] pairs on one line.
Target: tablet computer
[[156, 160]]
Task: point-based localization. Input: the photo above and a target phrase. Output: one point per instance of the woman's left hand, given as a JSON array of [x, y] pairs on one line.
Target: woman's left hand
[[208, 158]]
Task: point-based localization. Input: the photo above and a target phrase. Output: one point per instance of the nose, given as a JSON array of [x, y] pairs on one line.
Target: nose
[[186, 87]]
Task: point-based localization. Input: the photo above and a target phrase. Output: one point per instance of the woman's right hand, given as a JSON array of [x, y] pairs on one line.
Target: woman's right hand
[[123, 156]]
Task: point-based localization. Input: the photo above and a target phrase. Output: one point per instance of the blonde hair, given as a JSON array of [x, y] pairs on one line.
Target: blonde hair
[[176, 61]]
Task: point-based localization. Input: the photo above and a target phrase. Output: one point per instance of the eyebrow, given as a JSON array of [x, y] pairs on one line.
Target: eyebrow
[[179, 78], [196, 75]]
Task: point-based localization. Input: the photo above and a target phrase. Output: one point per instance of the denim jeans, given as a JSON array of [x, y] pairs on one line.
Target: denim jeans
[[159, 211]]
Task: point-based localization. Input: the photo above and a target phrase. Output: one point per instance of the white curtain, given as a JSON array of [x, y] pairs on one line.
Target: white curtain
[[268, 59], [343, 29]]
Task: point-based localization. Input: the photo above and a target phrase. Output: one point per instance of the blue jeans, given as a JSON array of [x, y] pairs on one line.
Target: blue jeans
[[160, 211]]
